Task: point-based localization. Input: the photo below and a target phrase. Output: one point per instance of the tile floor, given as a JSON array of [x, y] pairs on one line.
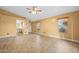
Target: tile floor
[[33, 43]]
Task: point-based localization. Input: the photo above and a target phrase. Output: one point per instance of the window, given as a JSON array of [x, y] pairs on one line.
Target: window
[[62, 24]]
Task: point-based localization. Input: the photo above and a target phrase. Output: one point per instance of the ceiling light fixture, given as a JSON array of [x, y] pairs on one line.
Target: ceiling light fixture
[[34, 10]]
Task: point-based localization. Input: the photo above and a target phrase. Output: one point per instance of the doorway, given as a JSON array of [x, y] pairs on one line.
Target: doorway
[[19, 27]]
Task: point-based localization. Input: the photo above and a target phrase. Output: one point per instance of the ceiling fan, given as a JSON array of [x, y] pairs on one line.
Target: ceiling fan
[[34, 10]]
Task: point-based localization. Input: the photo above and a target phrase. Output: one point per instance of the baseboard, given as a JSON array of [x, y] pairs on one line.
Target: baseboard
[[73, 40], [7, 36], [48, 35]]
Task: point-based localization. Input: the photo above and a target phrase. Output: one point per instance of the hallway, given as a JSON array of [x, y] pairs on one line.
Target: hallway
[[33, 43]]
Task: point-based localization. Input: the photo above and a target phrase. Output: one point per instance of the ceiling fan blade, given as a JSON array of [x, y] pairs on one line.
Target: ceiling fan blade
[[39, 10], [30, 12], [28, 8]]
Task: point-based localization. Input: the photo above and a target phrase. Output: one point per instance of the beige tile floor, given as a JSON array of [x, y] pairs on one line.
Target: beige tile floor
[[33, 43]]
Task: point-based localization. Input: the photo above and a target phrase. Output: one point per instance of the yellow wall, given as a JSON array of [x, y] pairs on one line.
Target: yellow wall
[[49, 26], [76, 27], [33, 27], [8, 23]]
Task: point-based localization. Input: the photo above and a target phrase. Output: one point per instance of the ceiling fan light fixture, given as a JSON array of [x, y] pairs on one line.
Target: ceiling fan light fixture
[[34, 10]]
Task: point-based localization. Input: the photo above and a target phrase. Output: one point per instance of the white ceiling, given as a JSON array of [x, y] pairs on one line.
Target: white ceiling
[[48, 11]]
